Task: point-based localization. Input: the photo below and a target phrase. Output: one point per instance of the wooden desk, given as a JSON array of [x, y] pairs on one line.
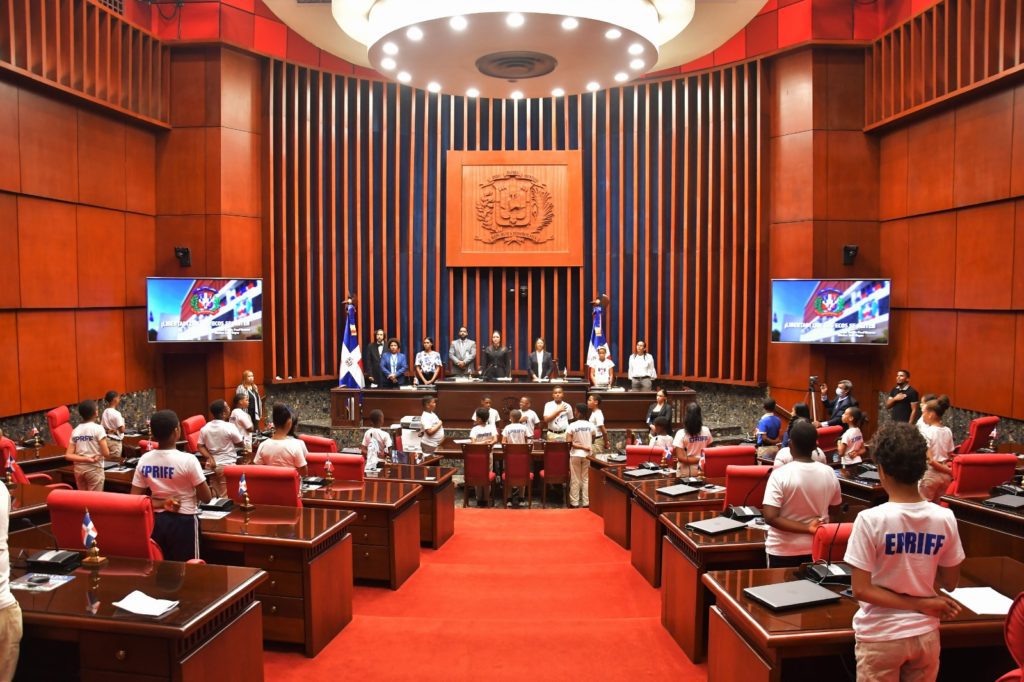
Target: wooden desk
[[117, 480], [618, 491], [750, 643], [686, 556], [386, 532], [986, 531], [855, 490], [437, 498], [28, 501], [628, 409], [595, 481], [307, 555], [645, 531], [214, 634], [45, 457]]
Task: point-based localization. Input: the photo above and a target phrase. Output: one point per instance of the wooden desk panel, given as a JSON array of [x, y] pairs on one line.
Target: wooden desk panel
[[437, 498], [596, 483], [28, 501], [628, 409], [618, 491], [41, 459], [986, 531]]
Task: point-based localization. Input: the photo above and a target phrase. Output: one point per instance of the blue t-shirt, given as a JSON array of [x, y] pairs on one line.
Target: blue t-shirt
[[770, 425]]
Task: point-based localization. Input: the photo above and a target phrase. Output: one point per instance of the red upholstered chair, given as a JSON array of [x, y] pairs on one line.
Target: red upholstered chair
[[37, 479], [978, 435], [831, 535], [716, 460], [518, 471], [745, 485], [147, 445], [318, 443], [346, 467], [59, 421], [828, 438], [266, 484], [124, 522], [190, 432], [975, 474], [1013, 633], [477, 460], [556, 469], [638, 454]]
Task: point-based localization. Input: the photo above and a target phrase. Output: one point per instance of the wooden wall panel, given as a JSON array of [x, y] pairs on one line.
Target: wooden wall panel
[[984, 353], [984, 133], [1018, 369], [139, 256], [48, 138], [865, 234], [894, 255], [174, 231], [10, 397], [237, 246], [892, 172], [930, 164], [983, 266], [10, 155], [47, 359], [140, 170], [140, 366], [10, 274], [181, 172], [193, 81], [932, 355], [931, 261], [101, 354], [794, 199], [1017, 155], [239, 192], [47, 258], [101, 161], [791, 250], [1018, 261], [241, 91], [852, 181], [101, 249]]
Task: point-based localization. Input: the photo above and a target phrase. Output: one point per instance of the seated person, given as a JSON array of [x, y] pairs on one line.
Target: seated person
[[281, 449], [393, 365]]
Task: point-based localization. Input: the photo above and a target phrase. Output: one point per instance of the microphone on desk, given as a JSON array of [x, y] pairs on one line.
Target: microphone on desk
[[53, 560], [827, 572], [743, 513]]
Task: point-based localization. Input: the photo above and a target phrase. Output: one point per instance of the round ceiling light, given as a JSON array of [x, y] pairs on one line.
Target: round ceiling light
[[569, 23], [515, 20], [458, 23]]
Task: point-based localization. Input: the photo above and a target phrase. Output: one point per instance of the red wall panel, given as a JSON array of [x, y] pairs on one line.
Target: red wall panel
[[1018, 261], [892, 174], [791, 250], [238, 251], [932, 353], [894, 246], [140, 366], [792, 157], [930, 165], [139, 256], [930, 262], [101, 357], [852, 182], [101, 248], [10, 156], [47, 246], [1018, 370], [984, 357], [48, 137], [10, 397], [10, 275], [47, 359], [193, 79], [983, 266], [241, 88], [1017, 156], [140, 170], [181, 172], [984, 132], [101, 160], [239, 189], [791, 101], [174, 231]]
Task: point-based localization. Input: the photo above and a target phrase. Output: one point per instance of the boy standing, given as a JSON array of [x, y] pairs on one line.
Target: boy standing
[[376, 441], [88, 449], [899, 552], [769, 429], [580, 435], [113, 423], [597, 420], [529, 417], [516, 431], [557, 414], [175, 481], [483, 431], [492, 414], [217, 442], [433, 427]]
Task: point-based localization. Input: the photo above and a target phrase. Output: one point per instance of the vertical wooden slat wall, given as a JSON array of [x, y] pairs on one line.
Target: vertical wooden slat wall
[[950, 48], [672, 221]]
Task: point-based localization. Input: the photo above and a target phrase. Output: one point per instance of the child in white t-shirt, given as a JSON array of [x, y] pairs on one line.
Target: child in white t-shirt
[[798, 499], [483, 430], [580, 435], [217, 442], [376, 441], [597, 421], [516, 431], [557, 415], [901, 551], [785, 456], [433, 427], [690, 442], [602, 370], [241, 420], [88, 448], [939, 473], [113, 423], [281, 450], [493, 417], [529, 417], [660, 436], [851, 445]]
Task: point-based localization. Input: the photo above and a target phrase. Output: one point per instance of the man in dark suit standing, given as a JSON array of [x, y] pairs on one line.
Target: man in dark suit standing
[[372, 357], [844, 399], [541, 365]]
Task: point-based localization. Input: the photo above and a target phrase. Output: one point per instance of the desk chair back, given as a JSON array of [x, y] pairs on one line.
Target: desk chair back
[[716, 460], [265, 484], [828, 438], [477, 465], [346, 467], [830, 540], [59, 421], [556, 469], [21, 477], [638, 454], [518, 470], [318, 443], [124, 523], [974, 475], [190, 429], [1013, 632], [147, 445], [977, 435], [745, 485]]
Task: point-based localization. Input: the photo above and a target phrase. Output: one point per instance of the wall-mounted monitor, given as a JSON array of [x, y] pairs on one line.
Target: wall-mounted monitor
[[183, 310], [831, 311]]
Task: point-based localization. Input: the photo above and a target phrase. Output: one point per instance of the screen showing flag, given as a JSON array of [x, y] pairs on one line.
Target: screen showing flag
[[831, 311], [190, 310]]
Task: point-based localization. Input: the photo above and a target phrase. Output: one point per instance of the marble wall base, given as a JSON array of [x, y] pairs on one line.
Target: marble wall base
[[959, 420], [136, 408]]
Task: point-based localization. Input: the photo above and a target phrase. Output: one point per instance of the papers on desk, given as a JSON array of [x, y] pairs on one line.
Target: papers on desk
[[310, 486], [141, 604], [213, 515], [462, 441], [984, 601], [407, 387], [120, 470], [714, 488], [52, 582]]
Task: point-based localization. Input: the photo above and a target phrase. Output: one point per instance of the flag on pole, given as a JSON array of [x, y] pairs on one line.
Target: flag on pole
[[597, 338], [329, 466], [351, 366], [89, 533], [9, 464], [242, 489]]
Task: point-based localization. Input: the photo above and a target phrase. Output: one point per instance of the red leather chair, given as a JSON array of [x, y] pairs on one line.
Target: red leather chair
[[1013, 633], [517, 473], [745, 485], [59, 421], [975, 474], [124, 522], [716, 460], [556, 469], [190, 432], [828, 438], [638, 454], [147, 445], [265, 484], [830, 535], [38, 479], [318, 443], [346, 467], [477, 460], [977, 436]]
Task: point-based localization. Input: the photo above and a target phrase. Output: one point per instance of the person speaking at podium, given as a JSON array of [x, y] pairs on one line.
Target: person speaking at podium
[[497, 359], [541, 365]]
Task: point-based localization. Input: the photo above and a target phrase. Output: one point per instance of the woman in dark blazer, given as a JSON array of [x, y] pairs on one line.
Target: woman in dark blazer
[[497, 359], [659, 408], [393, 365]]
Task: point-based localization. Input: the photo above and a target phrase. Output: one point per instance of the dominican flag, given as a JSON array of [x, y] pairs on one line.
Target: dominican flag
[[89, 533], [350, 371], [242, 489], [9, 465], [328, 466], [597, 338]]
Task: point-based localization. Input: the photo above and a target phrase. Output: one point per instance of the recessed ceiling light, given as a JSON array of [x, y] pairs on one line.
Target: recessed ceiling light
[[557, 92], [613, 34], [636, 48], [404, 76], [569, 23], [458, 23], [517, 95], [515, 20], [593, 86], [636, 64], [388, 64], [622, 76], [472, 92], [434, 86], [390, 48], [414, 33]]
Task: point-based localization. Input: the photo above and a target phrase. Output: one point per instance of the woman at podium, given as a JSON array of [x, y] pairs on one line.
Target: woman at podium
[[497, 359]]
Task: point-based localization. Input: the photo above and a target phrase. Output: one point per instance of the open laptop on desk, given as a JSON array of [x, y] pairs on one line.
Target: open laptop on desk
[[1009, 502], [716, 526], [791, 595]]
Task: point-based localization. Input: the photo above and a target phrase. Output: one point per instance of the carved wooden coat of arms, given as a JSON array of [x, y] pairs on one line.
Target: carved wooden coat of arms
[[514, 208]]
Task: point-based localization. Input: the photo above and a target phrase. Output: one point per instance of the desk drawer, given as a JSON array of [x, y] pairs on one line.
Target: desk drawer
[[273, 558], [124, 653], [371, 562], [281, 584], [369, 535], [371, 517], [283, 619]]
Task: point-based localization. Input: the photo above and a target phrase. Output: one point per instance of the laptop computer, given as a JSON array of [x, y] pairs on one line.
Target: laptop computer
[[678, 489], [791, 595], [715, 526], [868, 477], [1013, 502], [641, 473]]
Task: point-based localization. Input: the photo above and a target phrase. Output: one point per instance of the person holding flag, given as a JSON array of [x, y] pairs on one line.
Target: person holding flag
[[350, 372]]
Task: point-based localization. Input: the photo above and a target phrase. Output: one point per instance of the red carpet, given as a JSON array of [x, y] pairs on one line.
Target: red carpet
[[515, 594]]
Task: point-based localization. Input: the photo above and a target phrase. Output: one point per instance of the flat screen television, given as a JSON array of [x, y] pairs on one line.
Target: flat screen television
[[831, 311], [184, 310]]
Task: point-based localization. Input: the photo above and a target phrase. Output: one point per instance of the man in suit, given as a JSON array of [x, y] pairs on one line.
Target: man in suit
[[541, 365], [462, 354], [372, 357], [844, 399]]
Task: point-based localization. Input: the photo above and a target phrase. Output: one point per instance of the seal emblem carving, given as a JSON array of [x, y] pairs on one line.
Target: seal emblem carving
[[514, 208]]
